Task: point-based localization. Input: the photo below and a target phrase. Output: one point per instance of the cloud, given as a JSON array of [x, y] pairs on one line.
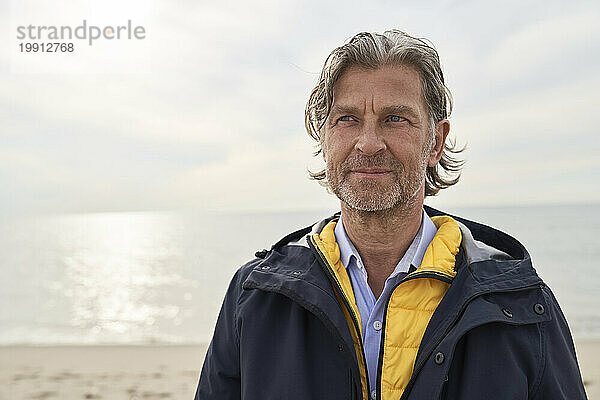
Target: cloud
[[210, 113], [545, 115], [254, 177], [561, 45]]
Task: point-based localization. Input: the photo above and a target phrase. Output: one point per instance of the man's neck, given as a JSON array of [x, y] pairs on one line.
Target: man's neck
[[381, 238]]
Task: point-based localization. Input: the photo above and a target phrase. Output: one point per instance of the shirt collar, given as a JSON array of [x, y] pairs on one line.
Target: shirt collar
[[413, 256]]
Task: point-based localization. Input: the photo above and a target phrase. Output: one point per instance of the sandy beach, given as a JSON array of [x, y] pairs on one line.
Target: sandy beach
[[144, 372], [99, 372]]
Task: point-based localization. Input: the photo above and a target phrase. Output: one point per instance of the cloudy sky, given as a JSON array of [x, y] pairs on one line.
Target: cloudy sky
[[206, 112]]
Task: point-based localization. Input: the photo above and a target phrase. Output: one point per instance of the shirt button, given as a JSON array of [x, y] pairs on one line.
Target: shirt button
[[373, 394], [377, 325]]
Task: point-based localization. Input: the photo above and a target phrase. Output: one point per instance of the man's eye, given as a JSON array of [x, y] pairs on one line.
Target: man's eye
[[345, 118], [396, 118]]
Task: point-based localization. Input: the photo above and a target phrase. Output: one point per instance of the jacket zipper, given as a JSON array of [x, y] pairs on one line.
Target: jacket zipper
[[331, 275], [411, 276], [418, 366]]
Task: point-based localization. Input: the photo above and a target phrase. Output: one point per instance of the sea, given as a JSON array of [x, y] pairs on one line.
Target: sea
[[160, 277]]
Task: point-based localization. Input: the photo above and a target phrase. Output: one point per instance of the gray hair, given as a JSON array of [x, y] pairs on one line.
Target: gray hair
[[374, 50]]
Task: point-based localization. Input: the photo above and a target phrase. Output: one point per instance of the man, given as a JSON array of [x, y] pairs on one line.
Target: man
[[389, 299]]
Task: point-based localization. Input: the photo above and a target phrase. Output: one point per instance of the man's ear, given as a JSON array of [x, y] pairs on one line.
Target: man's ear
[[442, 129]]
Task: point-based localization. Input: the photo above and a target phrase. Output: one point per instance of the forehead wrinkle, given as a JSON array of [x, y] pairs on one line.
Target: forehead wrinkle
[[350, 106], [344, 109]]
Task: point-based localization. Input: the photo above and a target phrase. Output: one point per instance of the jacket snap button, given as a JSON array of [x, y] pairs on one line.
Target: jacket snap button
[[439, 358], [265, 267], [340, 347], [539, 309], [507, 312], [296, 273]]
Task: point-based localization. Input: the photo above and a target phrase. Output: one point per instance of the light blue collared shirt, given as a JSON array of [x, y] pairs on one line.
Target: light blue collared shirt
[[370, 308]]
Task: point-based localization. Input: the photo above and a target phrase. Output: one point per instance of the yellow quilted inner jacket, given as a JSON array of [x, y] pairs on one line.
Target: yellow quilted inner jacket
[[410, 307]]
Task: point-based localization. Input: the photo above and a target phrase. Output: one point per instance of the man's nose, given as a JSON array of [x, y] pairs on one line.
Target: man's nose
[[370, 140]]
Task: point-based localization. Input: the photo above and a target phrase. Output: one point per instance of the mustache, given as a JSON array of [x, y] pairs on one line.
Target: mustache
[[376, 161]]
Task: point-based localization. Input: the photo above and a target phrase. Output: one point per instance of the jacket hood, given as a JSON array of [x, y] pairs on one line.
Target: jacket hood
[[495, 260], [483, 242]]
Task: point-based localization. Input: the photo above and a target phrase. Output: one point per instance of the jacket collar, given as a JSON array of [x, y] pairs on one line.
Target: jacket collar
[[495, 260]]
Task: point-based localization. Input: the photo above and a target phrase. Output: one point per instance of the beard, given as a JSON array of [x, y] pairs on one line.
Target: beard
[[373, 195]]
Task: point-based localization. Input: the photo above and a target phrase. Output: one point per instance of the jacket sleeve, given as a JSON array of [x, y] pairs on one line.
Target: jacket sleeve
[[220, 376], [560, 378]]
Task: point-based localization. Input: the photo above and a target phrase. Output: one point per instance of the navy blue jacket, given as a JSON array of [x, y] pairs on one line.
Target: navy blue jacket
[[497, 334]]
